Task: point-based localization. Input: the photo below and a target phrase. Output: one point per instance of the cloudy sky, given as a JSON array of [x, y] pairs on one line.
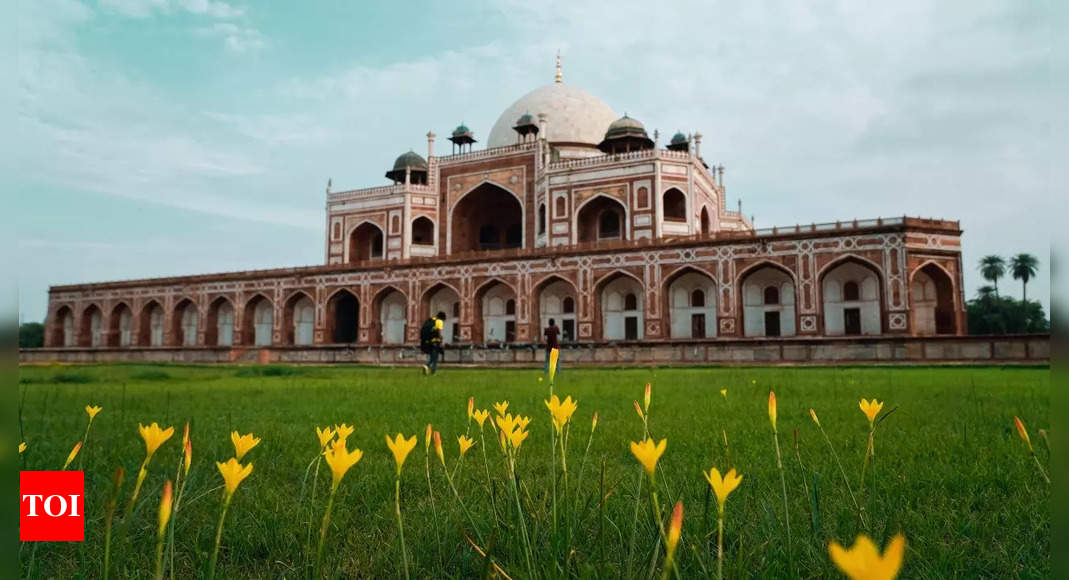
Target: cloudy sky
[[160, 137]]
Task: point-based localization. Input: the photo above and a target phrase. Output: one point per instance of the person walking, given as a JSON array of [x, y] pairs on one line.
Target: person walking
[[430, 341], [552, 336]]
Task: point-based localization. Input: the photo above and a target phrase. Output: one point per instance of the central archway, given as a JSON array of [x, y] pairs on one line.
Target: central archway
[[488, 217], [391, 307], [556, 300], [622, 308], [768, 302], [602, 218], [365, 243], [691, 296], [850, 293], [932, 293]]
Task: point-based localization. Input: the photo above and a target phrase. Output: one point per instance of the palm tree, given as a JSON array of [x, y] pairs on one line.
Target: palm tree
[[985, 293], [992, 268], [1023, 267]]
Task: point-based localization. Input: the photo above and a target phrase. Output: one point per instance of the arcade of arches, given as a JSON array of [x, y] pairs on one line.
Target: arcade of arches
[[850, 301]]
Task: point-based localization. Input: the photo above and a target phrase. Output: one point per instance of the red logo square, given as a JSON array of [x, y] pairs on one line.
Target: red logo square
[[51, 506]]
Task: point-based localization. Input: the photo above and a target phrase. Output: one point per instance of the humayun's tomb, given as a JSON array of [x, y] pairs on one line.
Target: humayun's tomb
[[571, 212]]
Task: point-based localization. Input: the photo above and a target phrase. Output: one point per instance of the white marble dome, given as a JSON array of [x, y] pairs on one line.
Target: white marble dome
[[573, 116]]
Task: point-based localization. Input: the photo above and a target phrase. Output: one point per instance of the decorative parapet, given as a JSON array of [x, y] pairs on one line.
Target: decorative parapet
[[487, 153], [382, 190]]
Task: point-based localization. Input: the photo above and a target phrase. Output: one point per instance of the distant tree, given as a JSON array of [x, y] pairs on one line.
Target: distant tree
[[992, 268], [1024, 267], [31, 335], [990, 315], [985, 293]]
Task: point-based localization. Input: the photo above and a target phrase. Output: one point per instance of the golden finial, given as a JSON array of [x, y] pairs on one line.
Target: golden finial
[[560, 76]]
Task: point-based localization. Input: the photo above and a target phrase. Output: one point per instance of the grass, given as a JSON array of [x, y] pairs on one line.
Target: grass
[[949, 470]]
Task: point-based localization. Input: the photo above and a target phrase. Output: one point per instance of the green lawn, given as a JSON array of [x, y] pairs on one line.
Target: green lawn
[[949, 472]]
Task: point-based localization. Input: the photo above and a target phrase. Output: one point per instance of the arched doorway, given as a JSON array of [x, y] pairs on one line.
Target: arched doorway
[[932, 294], [768, 297], [392, 309], [121, 323], [487, 218], [442, 298], [185, 323], [219, 329], [422, 231], [704, 221], [151, 325], [91, 326], [692, 305], [259, 322], [674, 205], [498, 303], [343, 317], [601, 218], [557, 301], [622, 308], [850, 293], [299, 319], [63, 327], [365, 243]]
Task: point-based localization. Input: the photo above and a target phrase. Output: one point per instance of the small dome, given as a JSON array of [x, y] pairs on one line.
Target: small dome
[[626, 127], [461, 130], [410, 160], [679, 138], [525, 119]]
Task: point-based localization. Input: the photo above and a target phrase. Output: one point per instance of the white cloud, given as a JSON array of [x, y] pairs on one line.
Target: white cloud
[[147, 8], [236, 38]]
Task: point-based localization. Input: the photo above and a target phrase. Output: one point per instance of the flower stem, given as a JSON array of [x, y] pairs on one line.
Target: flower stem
[[323, 531], [1039, 466], [218, 536], [434, 509], [400, 525], [846, 480], [720, 545], [159, 557], [786, 511]]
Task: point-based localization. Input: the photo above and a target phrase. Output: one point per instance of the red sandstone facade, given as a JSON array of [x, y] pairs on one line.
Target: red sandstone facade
[[615, 237]]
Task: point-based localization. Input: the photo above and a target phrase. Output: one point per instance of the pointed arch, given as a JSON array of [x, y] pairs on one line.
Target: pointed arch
[[390, 312], [495, 301], [488, 216], [89, 334], [443, 297], [674, 205], [62, 322], [767, 298], [120, 325], [704, 221], [298, 319], [185, 319], [219, 323], [845, 313], [365, 241], [556, 297], [151, 324], [258, 321], [620, 306], [601, 217], [343, 316], [689, 296], [423, 231], [933, 300]]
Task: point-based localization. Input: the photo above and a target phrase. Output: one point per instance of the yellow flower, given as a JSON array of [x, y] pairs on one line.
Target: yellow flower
[[343, 431], [480, 417], [554, 356], [648, 454], [187, 455], [427, 439], [400, 447], [154, 437], [243, 443], [340, 460], [772, 409], [675, 529], [325, 435], [646, 398], [813, 414], [561, 411], [517, 437], [507, 422], [1022, 432], [92, 411], [73, 454], [471, 408], [233, 474], [871, 409], [724, 393], [165, 507], [722, 486], [438, 447], [863, 561], [638, 409], [594, 422], [185, 435], [501, 407], [465, 443], [22, 447]]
